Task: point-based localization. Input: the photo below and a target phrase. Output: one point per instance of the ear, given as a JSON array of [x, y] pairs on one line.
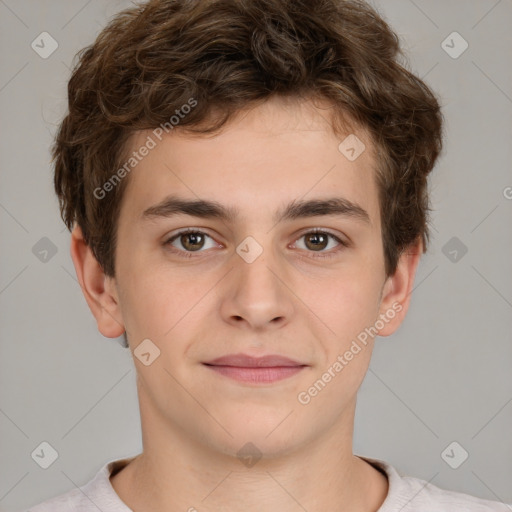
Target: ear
[[99, 290], [396, 292]]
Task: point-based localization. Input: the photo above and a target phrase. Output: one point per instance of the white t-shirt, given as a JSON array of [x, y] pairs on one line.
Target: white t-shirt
[[405, 494]]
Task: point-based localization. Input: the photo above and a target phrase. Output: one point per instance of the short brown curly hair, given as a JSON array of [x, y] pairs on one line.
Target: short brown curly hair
[[230, 54]]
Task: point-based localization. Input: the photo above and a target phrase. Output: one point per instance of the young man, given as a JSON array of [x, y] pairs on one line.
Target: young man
[[246, 184]]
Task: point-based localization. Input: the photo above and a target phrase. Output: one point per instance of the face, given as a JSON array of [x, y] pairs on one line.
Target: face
[[305, 283]]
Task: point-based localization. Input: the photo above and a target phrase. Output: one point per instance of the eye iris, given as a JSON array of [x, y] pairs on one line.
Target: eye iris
[[194, 237], [316, 236]]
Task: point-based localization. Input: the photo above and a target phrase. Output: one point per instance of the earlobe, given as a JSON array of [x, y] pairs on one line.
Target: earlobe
[[396, 294], [98, 289]]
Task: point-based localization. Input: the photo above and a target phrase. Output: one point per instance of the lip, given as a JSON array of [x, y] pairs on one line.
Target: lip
[[255, 370], [246, 361]]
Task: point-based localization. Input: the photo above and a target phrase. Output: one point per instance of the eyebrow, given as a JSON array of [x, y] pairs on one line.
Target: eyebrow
[[336, 206]]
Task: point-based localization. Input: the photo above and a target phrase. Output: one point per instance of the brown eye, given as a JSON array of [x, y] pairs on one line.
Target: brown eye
[[316, 241], [190, 240]]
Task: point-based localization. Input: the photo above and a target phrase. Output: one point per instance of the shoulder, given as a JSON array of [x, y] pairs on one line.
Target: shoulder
[[95, 495], [410, 494], [424, 496], [71, 500]]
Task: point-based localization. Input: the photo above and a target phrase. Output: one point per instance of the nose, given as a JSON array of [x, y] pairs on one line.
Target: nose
[[256, 295]]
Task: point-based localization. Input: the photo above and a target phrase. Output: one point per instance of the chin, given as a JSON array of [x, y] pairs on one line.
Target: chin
[[256, 440]]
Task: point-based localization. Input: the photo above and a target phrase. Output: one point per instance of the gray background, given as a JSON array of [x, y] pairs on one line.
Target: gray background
[[444, 376]]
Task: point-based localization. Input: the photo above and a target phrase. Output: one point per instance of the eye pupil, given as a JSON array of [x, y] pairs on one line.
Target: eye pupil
[[317, 236], [194, 237]]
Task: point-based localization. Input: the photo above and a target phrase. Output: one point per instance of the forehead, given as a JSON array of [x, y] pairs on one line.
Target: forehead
[[275, 153]]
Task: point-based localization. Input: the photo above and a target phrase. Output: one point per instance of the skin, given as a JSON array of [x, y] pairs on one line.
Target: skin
[[288, 301]]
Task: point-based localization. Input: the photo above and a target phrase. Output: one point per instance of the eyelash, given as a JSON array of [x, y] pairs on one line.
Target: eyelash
[[190, 254]]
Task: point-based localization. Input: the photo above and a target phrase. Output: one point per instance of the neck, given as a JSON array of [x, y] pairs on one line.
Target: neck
[[178, 473]]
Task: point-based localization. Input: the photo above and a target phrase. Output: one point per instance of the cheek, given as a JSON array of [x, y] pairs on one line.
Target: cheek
[[344, 298], [348, 306], [159, 303], [147, 303]]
